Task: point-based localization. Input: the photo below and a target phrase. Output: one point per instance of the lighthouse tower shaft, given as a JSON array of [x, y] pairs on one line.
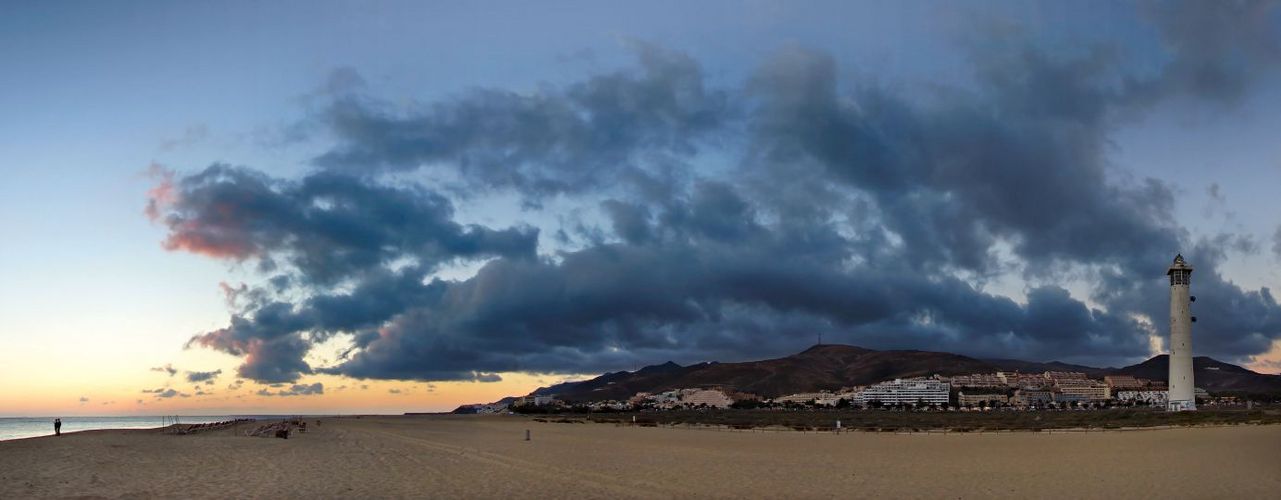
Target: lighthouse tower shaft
[[1182, 395]]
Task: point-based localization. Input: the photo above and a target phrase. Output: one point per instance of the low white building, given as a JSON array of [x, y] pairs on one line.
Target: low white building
[[1156, 398], [684, 398], [666, 400], [1082, 390], [609, 405], [1031, 397], [906, 391], [805, 397], [705, 397], [821, 398], [534, 401], [981, 398]]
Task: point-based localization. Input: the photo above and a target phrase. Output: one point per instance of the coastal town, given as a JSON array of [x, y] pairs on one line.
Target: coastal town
[[997, 390], [972, 392]]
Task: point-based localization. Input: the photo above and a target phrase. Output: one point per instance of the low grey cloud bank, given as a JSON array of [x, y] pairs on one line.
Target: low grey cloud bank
[[170, 393], [207, 377], [296, 390]]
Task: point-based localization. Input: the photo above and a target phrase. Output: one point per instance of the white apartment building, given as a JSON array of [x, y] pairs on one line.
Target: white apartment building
[[1082, 390], [978, 380], [1124, 382], [1023, 380], [1031, 397], [906, 391]]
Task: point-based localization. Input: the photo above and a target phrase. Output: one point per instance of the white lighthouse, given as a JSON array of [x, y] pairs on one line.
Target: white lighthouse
[[1182, 393]]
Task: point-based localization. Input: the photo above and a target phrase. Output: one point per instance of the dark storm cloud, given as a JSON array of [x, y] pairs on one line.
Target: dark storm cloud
[[327, 226], [274, 359], [631, 222], [1276, 242], [1241, 243], [614, 305], [853, 210], [952, 178], [1218, 49], [272, 338], [342, 81], [555, 140], [680, 302], [1232, 322]]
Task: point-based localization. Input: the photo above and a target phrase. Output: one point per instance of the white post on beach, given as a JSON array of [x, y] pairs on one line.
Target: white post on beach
[[633, 419], [527, 434]]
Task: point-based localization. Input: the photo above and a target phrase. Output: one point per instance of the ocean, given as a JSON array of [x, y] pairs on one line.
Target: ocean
[[18, 428]]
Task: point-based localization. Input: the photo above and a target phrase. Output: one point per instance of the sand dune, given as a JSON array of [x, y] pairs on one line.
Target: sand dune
[[474, 456]]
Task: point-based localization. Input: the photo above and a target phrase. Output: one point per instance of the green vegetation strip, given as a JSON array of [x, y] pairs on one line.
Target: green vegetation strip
[[899, 421]]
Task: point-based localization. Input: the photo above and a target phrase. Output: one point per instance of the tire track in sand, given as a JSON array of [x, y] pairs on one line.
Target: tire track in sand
[[439, 478], [633, 488]]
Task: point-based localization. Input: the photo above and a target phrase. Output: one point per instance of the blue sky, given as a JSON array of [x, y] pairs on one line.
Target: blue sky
[[93, 94]]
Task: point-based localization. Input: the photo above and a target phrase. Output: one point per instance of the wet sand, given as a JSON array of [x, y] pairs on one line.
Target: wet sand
[[475, 456]]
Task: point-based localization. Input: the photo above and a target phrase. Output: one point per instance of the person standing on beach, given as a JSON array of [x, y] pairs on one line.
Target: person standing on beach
[[57, 427]]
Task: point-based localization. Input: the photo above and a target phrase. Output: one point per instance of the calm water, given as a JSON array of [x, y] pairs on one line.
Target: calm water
[[17, 428]]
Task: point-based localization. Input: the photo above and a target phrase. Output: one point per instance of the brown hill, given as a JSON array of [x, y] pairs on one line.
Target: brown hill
[[822, 367], [831, 367], [1214, 376], [1015, 365]]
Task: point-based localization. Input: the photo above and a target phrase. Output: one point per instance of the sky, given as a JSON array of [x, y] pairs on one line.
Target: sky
[[352, 207]]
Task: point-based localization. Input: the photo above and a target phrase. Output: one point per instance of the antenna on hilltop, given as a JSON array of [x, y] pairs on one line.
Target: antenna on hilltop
[[820, 338]]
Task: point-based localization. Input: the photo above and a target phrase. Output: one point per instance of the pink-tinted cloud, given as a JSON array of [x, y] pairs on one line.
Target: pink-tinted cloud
[[230, 293], [219, 240], [162, 195], [213, 241]]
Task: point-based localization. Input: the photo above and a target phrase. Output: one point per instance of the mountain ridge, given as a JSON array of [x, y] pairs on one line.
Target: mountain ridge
[[833, 366]]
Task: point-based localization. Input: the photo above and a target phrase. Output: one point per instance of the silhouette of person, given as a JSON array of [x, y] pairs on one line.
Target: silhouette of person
[[57, 427]]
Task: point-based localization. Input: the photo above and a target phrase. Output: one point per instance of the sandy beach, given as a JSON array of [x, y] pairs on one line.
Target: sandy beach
[[475, 456]]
